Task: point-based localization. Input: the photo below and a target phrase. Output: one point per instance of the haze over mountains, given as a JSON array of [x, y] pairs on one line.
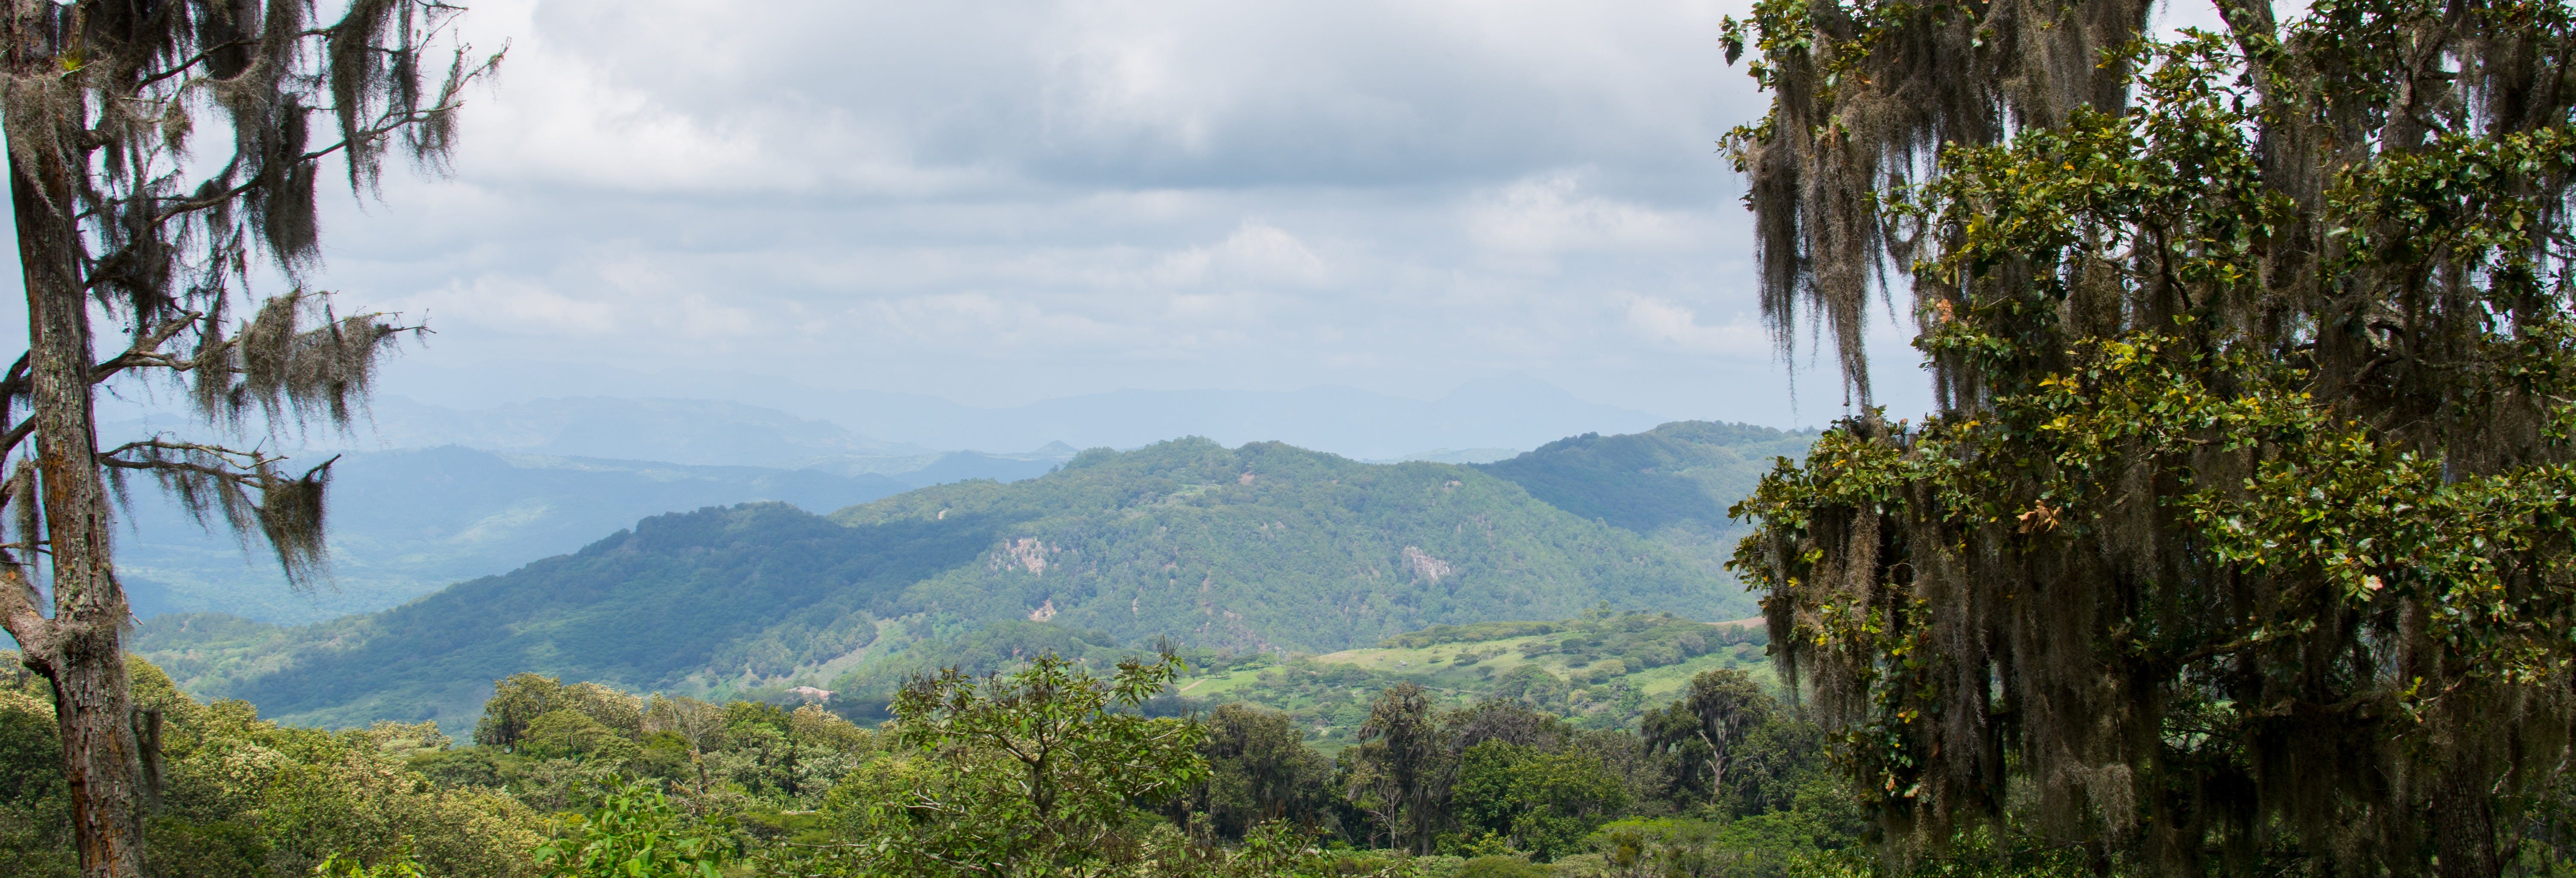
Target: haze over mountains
[[1261, 547], [1514, 412], [427, 495]]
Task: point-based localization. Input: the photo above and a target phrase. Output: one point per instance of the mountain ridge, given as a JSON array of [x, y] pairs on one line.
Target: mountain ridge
[[1263, 547]]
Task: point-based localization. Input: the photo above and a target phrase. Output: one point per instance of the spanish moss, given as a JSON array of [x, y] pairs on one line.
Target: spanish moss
[[2241, 533]]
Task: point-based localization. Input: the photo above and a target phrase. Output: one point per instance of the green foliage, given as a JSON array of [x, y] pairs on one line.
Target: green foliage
[[240, 796], [677, 595], [1259, 771], [1599, 670], [1708, 726], [2240, 540], [1305, 550], [1683, 474], [400, 865], [1039, 772], [1502, 867], [633, 831], [1469, 633], [1543, 803], [1042, 769]]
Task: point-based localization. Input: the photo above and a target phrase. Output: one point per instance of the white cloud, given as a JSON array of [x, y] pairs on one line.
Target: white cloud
[[1256, 254], [1551, 214], [1679, 325], [515, 307], [1068, 196]]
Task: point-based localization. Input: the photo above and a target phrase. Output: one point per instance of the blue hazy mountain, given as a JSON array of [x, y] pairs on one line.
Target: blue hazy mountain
[[1509, 412], [406, 523]]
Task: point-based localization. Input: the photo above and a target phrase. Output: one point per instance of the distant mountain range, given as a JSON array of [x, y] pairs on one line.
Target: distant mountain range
[[1510, 412], [1262, 547], [1498, 418], [406, 523], [428, 495]]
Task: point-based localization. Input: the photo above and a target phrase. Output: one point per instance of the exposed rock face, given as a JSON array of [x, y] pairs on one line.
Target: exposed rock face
[[1026, 552], [1425, 567]]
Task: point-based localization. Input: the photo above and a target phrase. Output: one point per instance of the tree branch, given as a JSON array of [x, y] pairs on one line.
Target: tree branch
[[21, 615], [254, 460], [192, 205], [191, 62], [146, 350]]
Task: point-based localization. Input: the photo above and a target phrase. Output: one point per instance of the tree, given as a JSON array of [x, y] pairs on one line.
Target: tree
[[1722, 707], [1544, 803], [1404, 766], [2243, 528], [114, 211], [1038, 772], [1259, 769], [632, 830]]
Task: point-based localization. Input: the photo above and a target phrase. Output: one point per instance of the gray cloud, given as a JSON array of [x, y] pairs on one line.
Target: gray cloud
[[1003, 202]]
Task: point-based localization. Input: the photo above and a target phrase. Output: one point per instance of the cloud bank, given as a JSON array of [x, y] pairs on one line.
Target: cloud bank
[[1003, 202]]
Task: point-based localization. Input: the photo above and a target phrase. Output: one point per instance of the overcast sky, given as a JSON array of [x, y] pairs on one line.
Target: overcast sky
[[1006, 201]]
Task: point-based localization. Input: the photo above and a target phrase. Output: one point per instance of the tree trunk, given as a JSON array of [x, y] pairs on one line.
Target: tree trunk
[[2464, 820], [79, 649]]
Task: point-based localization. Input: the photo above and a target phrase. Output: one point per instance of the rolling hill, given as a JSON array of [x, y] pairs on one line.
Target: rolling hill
[[1262, 549]]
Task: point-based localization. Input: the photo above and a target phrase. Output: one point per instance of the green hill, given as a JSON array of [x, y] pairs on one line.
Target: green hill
[[1679, 475], [1260, 549]]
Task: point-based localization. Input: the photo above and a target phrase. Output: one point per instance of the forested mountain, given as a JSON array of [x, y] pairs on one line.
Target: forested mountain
[[1260, 548], [1683, 474]]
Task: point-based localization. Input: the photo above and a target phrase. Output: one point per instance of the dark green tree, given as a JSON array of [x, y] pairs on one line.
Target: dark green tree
[[1259, 769], [2243, 528], [1708, 724], [1541, 802], [116, 212]]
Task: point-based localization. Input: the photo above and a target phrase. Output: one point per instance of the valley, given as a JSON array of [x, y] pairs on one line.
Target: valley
[[1265, 550]]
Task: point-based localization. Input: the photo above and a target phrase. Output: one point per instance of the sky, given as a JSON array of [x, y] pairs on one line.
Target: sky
[[1004, 202], [1010, 201]]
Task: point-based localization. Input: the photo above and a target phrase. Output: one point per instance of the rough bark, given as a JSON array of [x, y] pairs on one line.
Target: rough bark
[[79, 648]]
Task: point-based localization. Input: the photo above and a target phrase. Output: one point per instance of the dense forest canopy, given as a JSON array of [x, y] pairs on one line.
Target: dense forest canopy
[[2241, 538], [1051, 766]]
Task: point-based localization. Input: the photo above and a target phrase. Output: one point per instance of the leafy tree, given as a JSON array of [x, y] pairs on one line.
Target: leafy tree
[[520, 700], [238, 795], [400, 865], [1259, 771], [632, 831], [1707, 726], [564, 732], [1402, 766], [1038, 772], [114, 210], [1543, 803], [2243, 528]]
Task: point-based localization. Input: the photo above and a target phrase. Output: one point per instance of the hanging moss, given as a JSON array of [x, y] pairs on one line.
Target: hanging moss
[[2243, 530]]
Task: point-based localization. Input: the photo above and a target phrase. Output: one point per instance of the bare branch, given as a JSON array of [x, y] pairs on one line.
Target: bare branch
[[199, 58], [146, 350], [22, 616]]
